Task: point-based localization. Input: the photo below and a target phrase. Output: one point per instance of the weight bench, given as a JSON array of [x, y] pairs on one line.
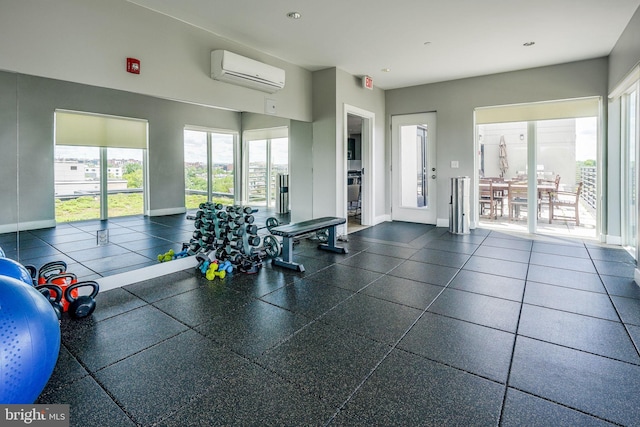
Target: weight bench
[[289, 231]]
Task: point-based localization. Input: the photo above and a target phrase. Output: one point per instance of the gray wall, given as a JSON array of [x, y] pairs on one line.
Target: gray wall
[[626, 53], [9, 149], [455, 101], [88, 41]]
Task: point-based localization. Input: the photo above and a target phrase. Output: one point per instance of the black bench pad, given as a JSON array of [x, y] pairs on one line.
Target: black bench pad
[[289, 231]]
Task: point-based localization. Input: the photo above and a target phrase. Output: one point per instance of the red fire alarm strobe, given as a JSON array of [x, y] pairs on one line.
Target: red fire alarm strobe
[[133, 65], [367, 82]]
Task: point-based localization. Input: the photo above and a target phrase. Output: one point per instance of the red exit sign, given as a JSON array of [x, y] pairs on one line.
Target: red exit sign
[[367, 82]]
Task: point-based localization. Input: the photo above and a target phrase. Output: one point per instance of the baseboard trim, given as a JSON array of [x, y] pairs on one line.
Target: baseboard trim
[[167, 211], [29, 225], [613, 240], [146, 273], [442, 222]]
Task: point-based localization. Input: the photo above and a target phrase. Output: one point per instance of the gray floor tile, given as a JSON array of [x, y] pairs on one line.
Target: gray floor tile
[[483, 310], [245, 393], [506, 254], [391, 250], [577, 331], [253, 328], [524, 409], [564, 277], [508, 243], [578, 251], [473, 348], [409, 390], [584, 265], [629, 309], [586, 382], [614, 268], [203, 303], [308, 298], [489, 284], [344, 276], [159, 288], [380, 320], [325, 362], [422, 272], [111, 340], [89, 405], [516, 270], [403, 291], [621, 286], [452, 246], [373, 262], [173, 372], [113, 302], [435, 256], [573, 300]]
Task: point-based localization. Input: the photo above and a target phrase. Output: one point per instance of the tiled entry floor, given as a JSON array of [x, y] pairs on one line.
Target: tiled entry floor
[[413, 327]]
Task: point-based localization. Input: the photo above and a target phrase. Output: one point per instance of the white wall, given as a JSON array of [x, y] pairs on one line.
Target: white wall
[[88, 41]]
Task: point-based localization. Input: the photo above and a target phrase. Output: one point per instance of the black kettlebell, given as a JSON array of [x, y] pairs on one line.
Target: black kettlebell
[[83, 305], [56, 302]]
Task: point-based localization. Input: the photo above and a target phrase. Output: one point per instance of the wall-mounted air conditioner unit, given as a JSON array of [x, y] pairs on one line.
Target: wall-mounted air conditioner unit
[[232, 68]]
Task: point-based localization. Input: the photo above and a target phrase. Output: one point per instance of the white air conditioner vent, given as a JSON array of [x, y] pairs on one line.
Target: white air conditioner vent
[[232, 68]]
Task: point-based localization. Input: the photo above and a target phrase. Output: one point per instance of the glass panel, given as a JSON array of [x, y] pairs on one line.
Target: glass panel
[[412, 147], [421, 165], [77, 183], [567, 175], [632, 178], [125, 182], [195, 168], [222, 170], [279, 164], [257, 172]]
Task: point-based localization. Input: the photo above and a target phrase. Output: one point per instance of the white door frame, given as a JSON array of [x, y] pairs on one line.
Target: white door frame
[[368, 154]]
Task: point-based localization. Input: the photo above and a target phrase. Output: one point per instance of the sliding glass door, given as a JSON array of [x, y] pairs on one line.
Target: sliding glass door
[[266, 154], [539, 175]]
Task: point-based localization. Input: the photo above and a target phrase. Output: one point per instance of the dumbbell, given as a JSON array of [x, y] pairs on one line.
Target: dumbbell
[[249, 219], [251, 229], [270, 247]]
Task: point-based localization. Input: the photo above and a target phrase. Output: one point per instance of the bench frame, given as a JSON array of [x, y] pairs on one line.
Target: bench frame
[[289, 232]]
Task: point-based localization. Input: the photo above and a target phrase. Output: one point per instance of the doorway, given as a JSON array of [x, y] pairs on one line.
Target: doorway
[[359, 173], [413, 170]]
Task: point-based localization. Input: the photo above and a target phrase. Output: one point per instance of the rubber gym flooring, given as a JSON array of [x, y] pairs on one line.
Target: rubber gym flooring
[[414, 327]]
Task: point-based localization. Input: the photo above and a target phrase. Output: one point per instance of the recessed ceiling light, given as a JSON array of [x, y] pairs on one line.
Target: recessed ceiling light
[[527, 44], [294, 15], [386, 70]]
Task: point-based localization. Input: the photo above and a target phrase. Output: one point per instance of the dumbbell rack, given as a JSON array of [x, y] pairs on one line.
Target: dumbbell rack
[[227, 233]]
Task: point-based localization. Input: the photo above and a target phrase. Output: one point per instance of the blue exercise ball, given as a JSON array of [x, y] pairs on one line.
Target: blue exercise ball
[[14, 269], [29, 342]]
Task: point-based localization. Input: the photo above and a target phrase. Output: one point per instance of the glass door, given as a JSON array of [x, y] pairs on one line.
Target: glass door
[[413, 168], [265, 159]]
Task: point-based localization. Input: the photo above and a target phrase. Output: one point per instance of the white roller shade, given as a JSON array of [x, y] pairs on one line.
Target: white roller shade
[[268, 133], [568, 109], [94, 130]]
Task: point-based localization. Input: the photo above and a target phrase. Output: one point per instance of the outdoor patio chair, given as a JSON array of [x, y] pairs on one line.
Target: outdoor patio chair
[[565, 199]]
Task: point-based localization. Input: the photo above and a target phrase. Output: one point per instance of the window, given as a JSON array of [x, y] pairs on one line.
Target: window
[[209, 167], [266, 156], [99, 166]]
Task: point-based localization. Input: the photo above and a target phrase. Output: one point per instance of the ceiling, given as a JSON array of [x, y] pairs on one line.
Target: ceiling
[[418, 41]]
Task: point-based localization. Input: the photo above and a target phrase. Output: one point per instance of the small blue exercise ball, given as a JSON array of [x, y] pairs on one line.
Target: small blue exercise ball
[[29, 342], [14, 269]]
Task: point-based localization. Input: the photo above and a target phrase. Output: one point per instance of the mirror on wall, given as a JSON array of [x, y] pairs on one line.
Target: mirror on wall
[[30, 158]]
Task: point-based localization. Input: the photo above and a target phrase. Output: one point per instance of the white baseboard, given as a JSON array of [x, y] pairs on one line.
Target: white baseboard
[[613, 240], [380, 219], [442, 222], [146, 273], [167, 211], [30, 225]]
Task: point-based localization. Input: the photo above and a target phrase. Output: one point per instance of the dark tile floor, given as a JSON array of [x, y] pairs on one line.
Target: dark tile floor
[[134, 242], [414, 326]]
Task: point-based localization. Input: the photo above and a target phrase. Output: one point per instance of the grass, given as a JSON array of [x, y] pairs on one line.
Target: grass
[[88, 207]]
